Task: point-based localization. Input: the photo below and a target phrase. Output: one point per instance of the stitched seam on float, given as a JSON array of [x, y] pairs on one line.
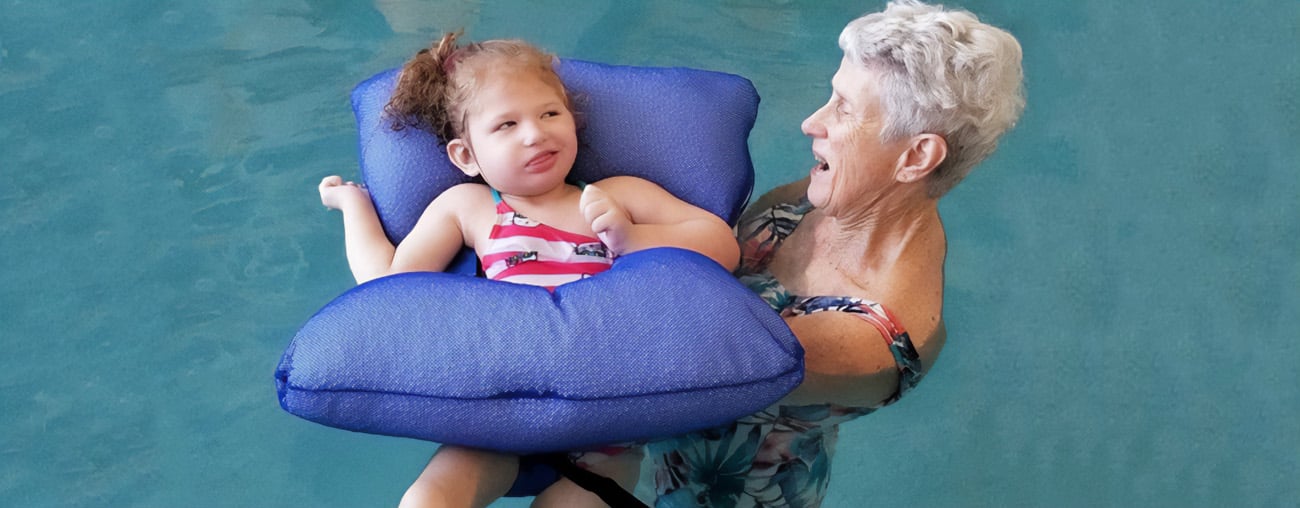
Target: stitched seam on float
[[748, 382]]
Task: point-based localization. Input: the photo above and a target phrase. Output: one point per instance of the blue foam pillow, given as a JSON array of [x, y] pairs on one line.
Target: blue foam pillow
[[663, 343]]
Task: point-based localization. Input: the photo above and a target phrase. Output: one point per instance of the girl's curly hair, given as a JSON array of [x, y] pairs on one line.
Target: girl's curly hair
[[436, 85]]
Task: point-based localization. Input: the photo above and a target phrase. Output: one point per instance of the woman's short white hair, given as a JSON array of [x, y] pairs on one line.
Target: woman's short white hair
[[943, 72]]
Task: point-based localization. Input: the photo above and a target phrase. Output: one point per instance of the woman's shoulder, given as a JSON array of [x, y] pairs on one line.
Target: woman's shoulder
[[882, 330], [859, 353], [910, 307], [789, 194]]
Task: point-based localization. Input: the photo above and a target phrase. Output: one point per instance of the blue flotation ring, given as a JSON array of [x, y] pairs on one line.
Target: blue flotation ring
[[665, 342]]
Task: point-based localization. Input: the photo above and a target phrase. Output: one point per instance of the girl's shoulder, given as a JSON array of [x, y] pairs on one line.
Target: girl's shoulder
[[465, 198], [469, 205], [469, 190]]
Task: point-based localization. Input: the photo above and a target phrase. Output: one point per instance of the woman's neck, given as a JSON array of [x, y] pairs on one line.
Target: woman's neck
[[881, 232], [869, 248]]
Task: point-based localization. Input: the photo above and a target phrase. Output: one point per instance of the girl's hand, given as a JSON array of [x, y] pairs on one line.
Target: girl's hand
[[609, 220], [339, 195]]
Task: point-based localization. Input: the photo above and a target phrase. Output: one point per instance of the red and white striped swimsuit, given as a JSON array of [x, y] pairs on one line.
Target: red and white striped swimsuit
[[525, 251]]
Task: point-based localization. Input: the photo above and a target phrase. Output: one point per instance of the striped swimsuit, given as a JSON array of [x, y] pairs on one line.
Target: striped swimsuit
[[525, 251]]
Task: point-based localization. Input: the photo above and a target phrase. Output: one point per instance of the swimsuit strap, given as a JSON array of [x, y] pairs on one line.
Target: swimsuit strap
[[896, 337]]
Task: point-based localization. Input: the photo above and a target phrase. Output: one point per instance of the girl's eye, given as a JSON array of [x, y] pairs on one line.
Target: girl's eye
[[505, 125], [550, 114]]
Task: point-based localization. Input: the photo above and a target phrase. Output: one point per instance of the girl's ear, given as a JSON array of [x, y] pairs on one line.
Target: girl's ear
[[924, 154], [461, 155]]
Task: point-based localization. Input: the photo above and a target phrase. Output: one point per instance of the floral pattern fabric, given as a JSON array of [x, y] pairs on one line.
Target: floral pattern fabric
[[779, 457]]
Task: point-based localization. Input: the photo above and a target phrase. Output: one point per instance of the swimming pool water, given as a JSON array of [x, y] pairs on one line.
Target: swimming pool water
[[1122, 275]]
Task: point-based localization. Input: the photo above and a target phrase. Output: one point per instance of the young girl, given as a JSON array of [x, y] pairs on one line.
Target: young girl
[[505, 117]]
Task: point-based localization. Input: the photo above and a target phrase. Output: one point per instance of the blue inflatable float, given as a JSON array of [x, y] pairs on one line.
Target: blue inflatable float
[[665, 342]]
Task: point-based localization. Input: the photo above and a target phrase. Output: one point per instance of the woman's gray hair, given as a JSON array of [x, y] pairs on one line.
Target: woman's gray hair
[[943, 72]]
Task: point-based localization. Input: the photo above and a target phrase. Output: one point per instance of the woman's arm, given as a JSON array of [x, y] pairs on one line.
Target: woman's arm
[[632, 214], [789, 193], [846, 361]]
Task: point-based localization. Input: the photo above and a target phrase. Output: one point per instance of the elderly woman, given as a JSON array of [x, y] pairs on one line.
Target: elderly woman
[[853, 254]]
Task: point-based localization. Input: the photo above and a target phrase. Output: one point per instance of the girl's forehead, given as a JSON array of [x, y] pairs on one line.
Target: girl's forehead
[[514, 85], [495, 70]]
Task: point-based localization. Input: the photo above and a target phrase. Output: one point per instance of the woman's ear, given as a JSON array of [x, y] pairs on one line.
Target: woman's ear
[[461, 155], [924, 153]]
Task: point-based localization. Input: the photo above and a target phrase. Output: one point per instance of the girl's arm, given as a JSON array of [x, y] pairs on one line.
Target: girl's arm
[[442, 230], [430, 246], [368, 249], [631, 214]]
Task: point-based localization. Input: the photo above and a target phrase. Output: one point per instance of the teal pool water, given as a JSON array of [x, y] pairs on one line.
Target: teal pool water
[[1122, 276]]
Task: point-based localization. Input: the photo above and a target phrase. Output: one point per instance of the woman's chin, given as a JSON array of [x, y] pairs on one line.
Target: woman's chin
[[818, 198], [818, 191]]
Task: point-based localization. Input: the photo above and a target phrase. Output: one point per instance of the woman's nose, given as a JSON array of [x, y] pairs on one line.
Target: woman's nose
[[812, 126]]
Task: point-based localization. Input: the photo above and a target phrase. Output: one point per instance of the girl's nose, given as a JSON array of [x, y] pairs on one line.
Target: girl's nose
[[533, 134]]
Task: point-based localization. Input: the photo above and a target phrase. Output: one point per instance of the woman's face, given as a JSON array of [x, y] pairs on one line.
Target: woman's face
[[853, 166]]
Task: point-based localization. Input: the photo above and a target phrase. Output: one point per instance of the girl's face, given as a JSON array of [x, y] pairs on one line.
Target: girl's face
[[853, 165], [519, 136]]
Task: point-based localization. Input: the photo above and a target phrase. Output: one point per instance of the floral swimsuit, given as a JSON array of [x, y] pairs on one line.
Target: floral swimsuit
[[781, 456]]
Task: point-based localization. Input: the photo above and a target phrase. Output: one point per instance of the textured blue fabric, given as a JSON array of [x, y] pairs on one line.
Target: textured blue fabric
[[684, 129], [663, 343]]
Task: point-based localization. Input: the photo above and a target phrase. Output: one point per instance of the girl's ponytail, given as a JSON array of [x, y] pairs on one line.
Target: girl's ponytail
[[420, 99]]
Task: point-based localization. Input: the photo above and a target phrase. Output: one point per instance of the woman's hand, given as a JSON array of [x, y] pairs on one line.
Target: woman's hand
[[608, 219], [340, 195]]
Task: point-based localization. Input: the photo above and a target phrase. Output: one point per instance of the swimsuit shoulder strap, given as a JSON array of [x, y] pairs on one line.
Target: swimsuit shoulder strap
[[896, 338]]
